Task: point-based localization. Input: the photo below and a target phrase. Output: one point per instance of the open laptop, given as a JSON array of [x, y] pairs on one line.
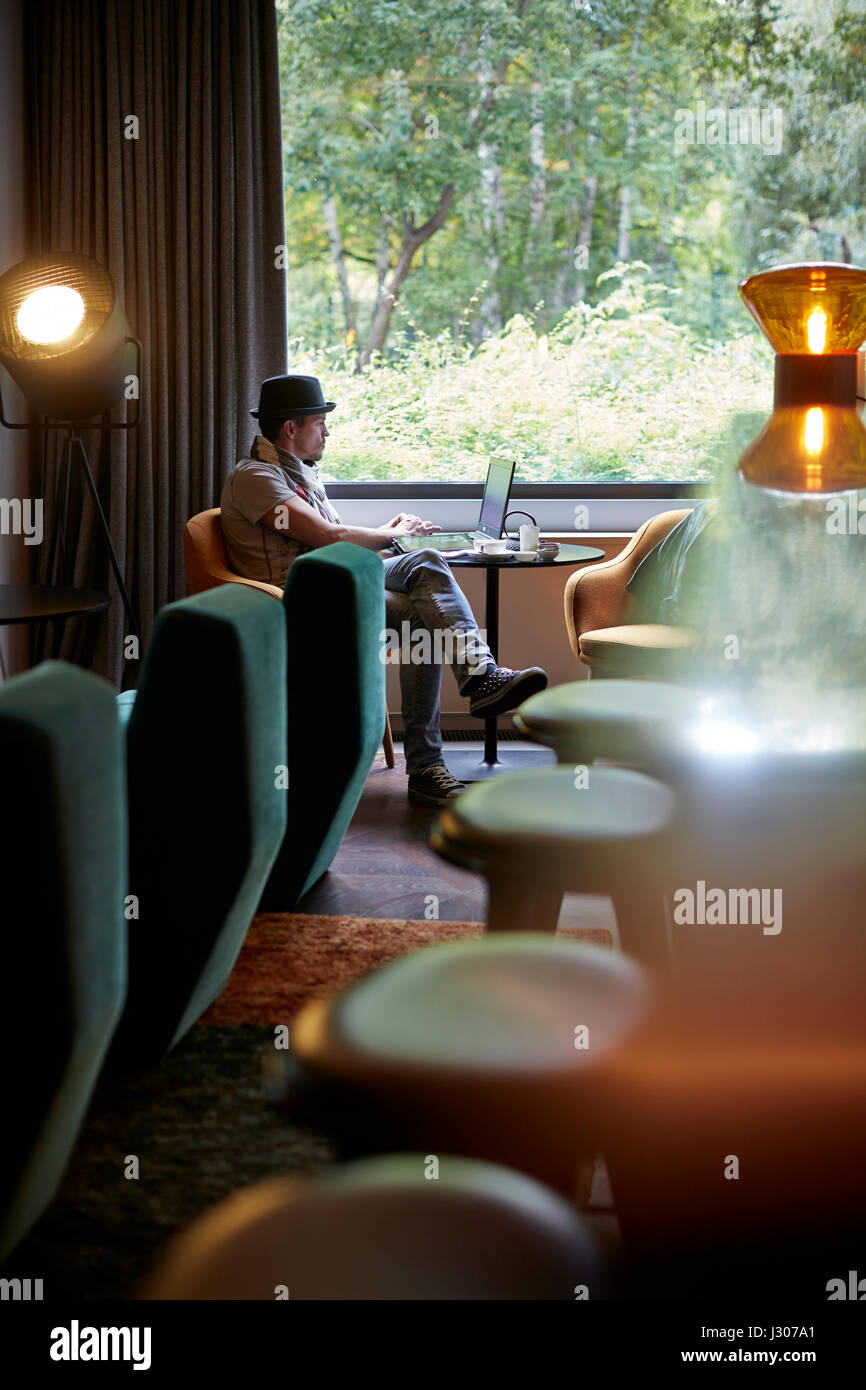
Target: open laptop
[[494, 505]]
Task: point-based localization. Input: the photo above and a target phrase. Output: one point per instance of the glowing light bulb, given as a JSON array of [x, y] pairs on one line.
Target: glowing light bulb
[[813, 431], [816, 330], [51, 314]]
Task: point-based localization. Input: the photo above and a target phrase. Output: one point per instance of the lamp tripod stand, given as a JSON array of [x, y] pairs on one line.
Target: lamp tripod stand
[[74, 440], [75, 443]]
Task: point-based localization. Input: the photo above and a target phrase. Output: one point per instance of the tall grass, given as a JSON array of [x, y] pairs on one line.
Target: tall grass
[[621, 390]]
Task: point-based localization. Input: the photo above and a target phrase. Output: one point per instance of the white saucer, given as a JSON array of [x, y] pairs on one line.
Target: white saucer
[[525, 555]]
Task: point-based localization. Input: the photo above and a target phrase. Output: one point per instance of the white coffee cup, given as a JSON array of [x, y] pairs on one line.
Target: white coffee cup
[[492, 547], [529, 537]]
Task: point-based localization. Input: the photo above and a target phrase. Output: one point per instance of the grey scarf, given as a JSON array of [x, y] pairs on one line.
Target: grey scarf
[[305, 476]]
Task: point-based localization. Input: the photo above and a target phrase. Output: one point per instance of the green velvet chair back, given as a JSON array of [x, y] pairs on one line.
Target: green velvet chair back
[[206, 749], [64, 952], [334, 603]]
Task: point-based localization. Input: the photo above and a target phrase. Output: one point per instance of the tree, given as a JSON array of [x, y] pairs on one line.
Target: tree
[[506, 153], [405, 139]]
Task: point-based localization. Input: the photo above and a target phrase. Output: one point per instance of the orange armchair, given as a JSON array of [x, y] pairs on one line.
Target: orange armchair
[[600, 613], [206, 558], [207, 565]]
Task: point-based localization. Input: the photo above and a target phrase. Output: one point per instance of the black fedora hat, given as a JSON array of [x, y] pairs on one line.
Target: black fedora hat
[[292, 395]]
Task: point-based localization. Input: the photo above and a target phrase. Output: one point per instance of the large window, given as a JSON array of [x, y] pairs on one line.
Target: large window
[[518, 225]]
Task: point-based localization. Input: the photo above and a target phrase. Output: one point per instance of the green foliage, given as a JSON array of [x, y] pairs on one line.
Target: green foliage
[[553, 123], [619, 390]]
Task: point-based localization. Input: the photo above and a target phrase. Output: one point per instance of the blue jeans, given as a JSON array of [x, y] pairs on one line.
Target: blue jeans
[[421, 592]]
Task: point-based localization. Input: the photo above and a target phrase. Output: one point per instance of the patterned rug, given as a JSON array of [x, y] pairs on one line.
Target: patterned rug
[[199, 1124]]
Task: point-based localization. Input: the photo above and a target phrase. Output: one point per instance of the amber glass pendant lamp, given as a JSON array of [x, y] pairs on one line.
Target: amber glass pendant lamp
[[814, 317]]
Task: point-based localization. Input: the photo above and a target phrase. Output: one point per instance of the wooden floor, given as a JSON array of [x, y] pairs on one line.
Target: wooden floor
[[386, 868]]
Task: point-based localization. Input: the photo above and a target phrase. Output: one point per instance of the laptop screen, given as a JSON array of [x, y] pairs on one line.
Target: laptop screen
[[494, 503]]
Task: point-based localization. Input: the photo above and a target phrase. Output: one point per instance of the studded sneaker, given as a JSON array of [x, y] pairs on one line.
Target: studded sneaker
[[501, 689], [434, 785]]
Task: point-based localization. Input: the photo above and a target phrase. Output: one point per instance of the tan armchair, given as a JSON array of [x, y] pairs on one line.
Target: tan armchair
[[600, 613], [207, 565], [206, 559]]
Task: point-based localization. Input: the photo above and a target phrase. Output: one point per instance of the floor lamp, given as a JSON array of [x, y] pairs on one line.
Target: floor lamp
[[66, 344]]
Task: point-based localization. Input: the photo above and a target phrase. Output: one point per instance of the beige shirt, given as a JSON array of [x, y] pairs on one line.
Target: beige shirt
[[253, 488]]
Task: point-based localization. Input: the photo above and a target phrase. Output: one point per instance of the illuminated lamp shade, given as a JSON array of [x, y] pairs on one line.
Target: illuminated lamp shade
[[814, 316], [810, 308], [64, 335]]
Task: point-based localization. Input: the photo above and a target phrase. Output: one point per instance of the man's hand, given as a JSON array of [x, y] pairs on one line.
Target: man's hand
[[405, 524]]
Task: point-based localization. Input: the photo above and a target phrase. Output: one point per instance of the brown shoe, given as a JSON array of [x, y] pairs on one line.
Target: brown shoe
[[434, 785]]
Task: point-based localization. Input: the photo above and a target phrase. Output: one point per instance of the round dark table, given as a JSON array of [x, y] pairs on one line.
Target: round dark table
[[464, 763], [39, 603]]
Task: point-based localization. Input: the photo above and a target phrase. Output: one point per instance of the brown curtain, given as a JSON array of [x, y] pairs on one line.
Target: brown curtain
[[188, 219]]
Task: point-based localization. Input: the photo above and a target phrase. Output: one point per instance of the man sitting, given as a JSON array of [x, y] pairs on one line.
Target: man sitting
[[274, 507]]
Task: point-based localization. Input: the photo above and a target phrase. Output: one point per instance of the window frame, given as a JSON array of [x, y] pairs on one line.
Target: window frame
[[611, 509], [553, 491]]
